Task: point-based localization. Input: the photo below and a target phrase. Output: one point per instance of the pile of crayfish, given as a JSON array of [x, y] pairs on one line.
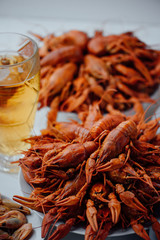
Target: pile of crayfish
[[102, 173], [77, 70], [13, 221]]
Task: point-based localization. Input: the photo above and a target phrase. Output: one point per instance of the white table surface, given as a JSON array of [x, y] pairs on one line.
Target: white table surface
[[149, 32]]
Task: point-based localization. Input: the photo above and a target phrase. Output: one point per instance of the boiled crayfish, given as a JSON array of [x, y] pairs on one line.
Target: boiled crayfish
[[102, 175], [77, 70]]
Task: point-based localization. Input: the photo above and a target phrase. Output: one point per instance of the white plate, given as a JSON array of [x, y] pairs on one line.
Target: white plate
[[27, 189], [41, 119]]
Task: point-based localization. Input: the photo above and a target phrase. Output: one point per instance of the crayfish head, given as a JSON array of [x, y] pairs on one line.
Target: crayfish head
[[119, 188], [112, 196], [104, 213], [118, 175], [90, 203], [97, 191]]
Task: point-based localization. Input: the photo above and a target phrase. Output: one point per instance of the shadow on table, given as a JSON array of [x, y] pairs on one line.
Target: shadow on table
[[73, 236]]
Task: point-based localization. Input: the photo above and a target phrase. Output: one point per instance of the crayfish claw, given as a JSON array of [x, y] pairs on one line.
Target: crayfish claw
[[104, 231], [155, 226], [28, 202], [91, 214], [140, 231], [115, 207], [67, 202], [89, 233], [28, 199], [113, 164], [129, 199], [47, 221], [90, 164], [62, 230], [136, 204]]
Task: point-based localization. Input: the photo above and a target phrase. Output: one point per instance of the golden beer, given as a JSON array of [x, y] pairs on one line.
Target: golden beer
[[18, 104], [19, 88]]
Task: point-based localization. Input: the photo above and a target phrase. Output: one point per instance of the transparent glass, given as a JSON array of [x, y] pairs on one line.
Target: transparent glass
[[19, 88]]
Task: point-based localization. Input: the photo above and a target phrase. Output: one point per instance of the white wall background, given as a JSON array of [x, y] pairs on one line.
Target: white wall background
[[144, 11]]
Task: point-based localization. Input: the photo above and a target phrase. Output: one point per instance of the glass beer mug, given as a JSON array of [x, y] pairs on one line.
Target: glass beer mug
[[19, 88]]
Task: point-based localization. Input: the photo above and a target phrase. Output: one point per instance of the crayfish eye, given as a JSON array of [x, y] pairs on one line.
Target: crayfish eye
[[99, 192]]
